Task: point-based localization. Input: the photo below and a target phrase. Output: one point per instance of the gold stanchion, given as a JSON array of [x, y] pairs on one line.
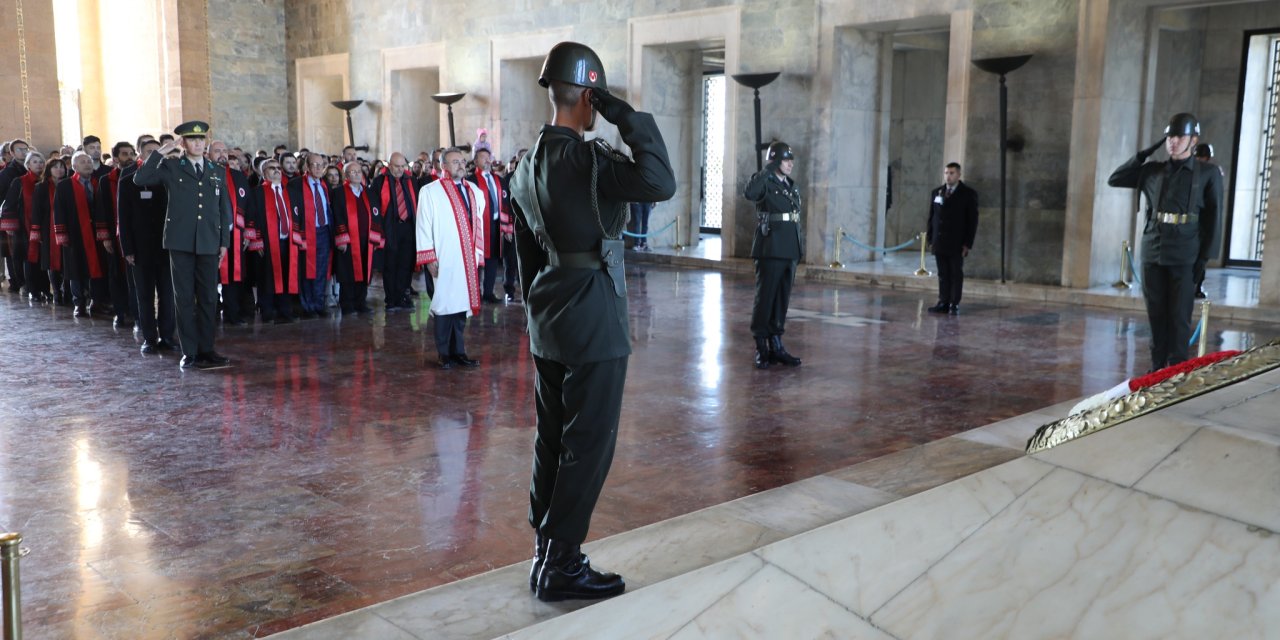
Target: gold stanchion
[[836, 264], [1125, 277], [10, 551], [1203, 347], [678, 246], [922, 271]]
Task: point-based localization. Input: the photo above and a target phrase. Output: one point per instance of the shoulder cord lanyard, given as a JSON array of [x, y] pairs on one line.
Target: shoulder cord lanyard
[[624, 215]]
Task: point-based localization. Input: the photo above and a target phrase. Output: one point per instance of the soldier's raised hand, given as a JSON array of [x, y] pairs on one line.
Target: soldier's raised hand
[[1146, 153], [611, 107]]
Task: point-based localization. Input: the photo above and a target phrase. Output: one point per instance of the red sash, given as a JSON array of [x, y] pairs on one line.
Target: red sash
[[271, 238], [411, 205], [353, 231], [86, 226], [227, 272], [55, 248], [470, 235]]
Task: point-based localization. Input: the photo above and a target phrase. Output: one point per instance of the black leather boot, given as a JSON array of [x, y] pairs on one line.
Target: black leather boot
[[778, 353], [567, 575], [539, 554], [762, 353]]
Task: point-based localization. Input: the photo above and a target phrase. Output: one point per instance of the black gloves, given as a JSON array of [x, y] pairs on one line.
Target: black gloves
[[1146, 153], [774, 166], [611, 107]]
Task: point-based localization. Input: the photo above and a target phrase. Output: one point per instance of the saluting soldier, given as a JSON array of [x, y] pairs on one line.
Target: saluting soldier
[[197, 232], [1184, 197], [776, 250], [571, 203]]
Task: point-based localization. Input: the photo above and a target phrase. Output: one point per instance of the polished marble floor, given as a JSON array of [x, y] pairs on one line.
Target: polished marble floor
[[332, 467]]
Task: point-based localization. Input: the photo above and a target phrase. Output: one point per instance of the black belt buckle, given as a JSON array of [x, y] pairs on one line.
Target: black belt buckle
[[612, 253]]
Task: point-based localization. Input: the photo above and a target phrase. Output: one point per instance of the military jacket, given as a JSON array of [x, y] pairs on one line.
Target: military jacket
[[198, 216], [575, 314], [1178, 187], [773, 194]]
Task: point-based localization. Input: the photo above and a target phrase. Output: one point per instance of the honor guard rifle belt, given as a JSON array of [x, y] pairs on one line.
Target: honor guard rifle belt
[[791, 216], [1176, 218], [575, 260]]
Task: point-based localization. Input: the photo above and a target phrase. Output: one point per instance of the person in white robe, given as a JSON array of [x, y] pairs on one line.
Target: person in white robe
[[450, 234]]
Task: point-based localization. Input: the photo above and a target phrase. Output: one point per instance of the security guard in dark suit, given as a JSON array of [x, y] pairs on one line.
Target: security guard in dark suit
[[1184, 198], [952, 227], [197, 233], [570, 198], [776, 249]]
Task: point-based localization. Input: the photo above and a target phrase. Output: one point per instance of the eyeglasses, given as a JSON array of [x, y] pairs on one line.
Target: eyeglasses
[[273, 167]]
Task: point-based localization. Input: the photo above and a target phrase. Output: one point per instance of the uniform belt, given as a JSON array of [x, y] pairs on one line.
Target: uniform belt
[[1176, 218], [577, 260], [793, 216]]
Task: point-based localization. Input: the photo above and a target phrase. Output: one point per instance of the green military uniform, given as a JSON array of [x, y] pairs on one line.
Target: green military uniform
[[197, 228], [1184, 198], [776, 250], [570, 197]]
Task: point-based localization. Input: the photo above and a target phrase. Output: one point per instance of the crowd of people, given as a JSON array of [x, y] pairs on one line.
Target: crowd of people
[[308, 230]]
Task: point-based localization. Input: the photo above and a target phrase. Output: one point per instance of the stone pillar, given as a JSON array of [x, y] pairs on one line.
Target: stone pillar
[[959, 67], [29, 104], [1269, 287]]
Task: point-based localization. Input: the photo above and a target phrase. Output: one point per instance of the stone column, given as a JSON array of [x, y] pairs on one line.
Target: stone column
[[1269, 287], [29, 103]]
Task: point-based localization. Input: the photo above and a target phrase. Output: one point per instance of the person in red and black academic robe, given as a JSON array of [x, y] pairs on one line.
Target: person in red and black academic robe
[[359, 229], [17, 219], [277, 240], [106, 222], [499, 231], [395, 198], [232, 271], [310, 195], [14, 169], [142, 212], [42, 224], [83, 251]]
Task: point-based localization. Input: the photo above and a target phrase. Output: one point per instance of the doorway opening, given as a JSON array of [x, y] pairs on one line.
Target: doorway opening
[[1251, 166], [711, 192]]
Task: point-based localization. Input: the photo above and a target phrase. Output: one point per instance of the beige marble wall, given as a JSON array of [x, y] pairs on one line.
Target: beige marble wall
[[40, 106], [248, 72]]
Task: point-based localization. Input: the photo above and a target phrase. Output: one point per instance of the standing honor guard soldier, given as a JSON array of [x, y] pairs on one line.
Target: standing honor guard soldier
[[197, 232], [1183, 197], [776, 250], [570, 198]]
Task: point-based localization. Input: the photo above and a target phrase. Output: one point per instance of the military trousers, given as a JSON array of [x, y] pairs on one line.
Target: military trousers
[[578, 407], [1170, 292], [774, 277], [195, 299]]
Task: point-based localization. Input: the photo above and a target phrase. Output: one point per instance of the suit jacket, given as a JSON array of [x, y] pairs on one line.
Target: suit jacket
[[142, 212], [198, 216], [953, 221], [775, 195], [395, 230], [575, 314], [492, 240]]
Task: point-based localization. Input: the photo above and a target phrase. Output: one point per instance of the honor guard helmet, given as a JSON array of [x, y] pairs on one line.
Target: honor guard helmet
[[573, 63], [780, 151], [1182, 124], [1204, 150]]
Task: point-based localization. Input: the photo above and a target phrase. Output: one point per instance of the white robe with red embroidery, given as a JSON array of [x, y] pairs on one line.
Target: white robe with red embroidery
[[455, 240]]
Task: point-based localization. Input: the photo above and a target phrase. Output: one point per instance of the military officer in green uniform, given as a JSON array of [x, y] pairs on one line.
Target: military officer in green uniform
[[776, 250], [570, 197], [1184, 198], [197, 232]]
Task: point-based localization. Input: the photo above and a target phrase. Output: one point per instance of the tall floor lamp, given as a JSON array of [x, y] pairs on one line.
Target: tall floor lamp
[[1002, 67], [448, 99], [755, 81], [347, 106]]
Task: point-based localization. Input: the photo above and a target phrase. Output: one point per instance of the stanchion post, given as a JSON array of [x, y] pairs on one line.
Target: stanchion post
[[922, 271], [836, 264], [1123, 282], [679, 245], [9, 553], [1203, 346]]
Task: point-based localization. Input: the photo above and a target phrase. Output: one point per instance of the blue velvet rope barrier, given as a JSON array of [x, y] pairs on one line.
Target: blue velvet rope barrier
[[1195, 335], [1128, 254], [646, 235], [879, 249]]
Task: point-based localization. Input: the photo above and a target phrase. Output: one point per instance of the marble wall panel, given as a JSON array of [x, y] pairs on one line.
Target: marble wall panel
[[248, 75]]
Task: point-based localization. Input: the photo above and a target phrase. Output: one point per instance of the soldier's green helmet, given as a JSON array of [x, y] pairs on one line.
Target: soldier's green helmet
[[573, 63], [1182, 124], [780, 151]]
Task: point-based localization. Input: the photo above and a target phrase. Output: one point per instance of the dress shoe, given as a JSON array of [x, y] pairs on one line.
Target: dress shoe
[[954, 310], [148, 346], [491, 298], [322, 313], [511, 297], [445, 362], [1200, 294], [567, 575], [187, 362], [941, 307], [778, 353], [81, 311], [165, 345], [463, 360], [214, 358], [539, 554], [762, 353]]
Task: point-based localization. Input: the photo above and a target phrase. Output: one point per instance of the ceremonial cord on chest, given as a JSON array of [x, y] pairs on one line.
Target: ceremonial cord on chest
[[599, 146]]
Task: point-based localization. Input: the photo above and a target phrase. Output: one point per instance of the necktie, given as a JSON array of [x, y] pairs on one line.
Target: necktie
[[199, 170], [321, 215], [402, 208], [88, 188], [282, 215], [493, 194], [466, 202]]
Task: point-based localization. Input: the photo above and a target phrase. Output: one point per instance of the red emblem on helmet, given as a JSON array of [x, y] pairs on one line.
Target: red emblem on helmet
[[591, 75]]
